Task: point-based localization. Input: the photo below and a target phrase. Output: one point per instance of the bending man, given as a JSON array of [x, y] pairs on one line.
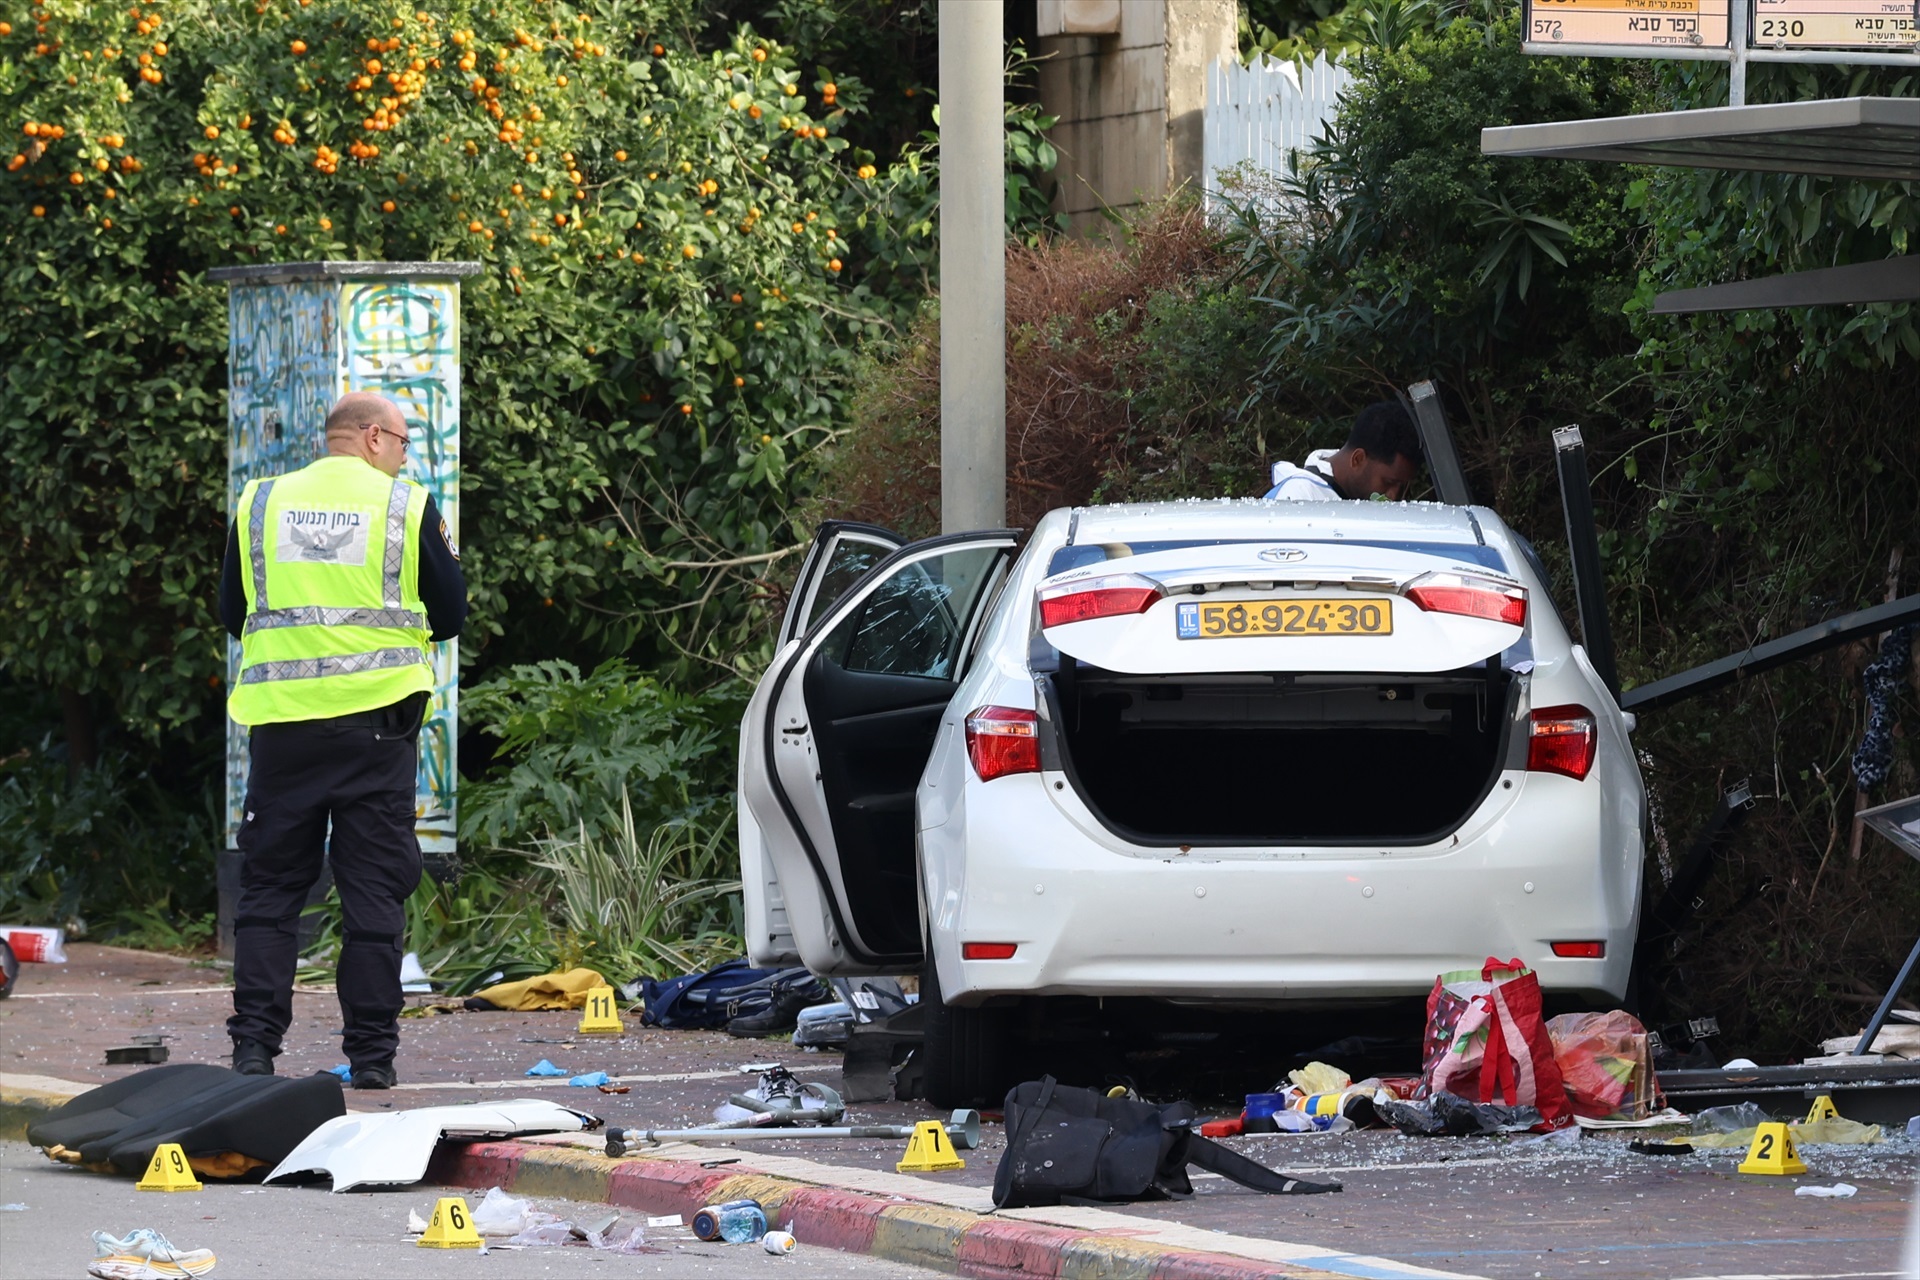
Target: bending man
[[1379, 460]]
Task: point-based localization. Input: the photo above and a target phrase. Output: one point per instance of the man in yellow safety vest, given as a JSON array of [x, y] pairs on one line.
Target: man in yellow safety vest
[[336, 577]]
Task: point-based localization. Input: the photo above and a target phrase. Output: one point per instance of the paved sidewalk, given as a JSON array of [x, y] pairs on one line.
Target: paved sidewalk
[[1490, 1207]]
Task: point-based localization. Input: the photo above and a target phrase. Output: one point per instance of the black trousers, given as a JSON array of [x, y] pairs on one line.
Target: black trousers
[[359, 772]]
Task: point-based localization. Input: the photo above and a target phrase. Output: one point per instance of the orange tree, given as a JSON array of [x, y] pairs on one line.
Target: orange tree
[[673, 241]]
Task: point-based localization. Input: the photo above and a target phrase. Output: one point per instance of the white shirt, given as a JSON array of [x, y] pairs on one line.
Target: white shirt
[[1312, 482]]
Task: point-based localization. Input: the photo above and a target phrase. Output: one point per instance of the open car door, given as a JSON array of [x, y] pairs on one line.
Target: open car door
[[833, 745], [843, 552]]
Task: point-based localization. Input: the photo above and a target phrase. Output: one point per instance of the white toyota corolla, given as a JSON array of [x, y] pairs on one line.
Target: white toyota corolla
[[1237, 752]]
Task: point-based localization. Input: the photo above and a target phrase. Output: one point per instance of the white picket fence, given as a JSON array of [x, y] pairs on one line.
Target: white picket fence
[[1263, 112]]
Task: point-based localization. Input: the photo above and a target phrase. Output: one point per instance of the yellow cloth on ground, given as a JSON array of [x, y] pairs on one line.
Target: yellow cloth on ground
[[548, 991], [1818, 1133]]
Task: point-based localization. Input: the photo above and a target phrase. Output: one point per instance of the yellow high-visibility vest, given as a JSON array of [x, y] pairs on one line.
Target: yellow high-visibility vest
[[335, 623]]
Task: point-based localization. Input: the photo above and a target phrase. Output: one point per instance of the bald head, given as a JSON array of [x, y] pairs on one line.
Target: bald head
[[367, 425]]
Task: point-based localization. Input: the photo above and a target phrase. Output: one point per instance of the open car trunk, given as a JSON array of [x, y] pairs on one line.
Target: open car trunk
[[1318, 759]]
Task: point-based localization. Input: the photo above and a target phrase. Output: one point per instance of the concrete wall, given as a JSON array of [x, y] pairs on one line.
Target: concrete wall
[[1131, 104]]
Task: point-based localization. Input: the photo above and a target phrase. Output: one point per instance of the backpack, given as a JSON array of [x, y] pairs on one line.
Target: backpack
[[1076, 1146], [708, 1001]]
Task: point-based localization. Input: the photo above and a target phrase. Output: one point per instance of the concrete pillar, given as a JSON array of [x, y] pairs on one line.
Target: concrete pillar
[[973, 268], [1130, 99], [300, 335]]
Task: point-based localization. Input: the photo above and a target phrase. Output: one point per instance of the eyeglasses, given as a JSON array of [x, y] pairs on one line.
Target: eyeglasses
[[404, 438]]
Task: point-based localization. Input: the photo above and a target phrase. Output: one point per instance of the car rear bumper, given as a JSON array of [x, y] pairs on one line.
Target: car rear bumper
[[1282, 925]]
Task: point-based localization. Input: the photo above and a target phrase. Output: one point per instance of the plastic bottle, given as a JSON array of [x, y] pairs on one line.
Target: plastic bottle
[[778, 1243], [743, 1224], [706, 1222]]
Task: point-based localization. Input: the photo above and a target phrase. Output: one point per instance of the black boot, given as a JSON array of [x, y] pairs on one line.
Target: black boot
[[375, 1075], [251, 1058]]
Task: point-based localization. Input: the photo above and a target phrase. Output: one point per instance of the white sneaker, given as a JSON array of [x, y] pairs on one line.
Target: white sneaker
[[145, 1255]]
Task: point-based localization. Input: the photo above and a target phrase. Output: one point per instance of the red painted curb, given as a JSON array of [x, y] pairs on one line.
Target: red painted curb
[[662, 1186], [835, 1219], [1000, 1249], [1216, 1266], [987, 1248], [477, 1164]]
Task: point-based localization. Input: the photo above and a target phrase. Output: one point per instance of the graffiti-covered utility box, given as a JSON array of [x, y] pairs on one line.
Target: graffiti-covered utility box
[[302, 334]]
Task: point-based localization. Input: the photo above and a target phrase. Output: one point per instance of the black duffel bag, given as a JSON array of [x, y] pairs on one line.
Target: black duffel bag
[[1076, 1146]]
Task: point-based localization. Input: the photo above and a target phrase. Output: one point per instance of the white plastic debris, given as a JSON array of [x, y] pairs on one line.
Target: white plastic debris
[[499, 1214], [412, 977], [34, 944], [667, 1220], [13, 1208], [392, 1148], [1838, 1191], [416, 1225]]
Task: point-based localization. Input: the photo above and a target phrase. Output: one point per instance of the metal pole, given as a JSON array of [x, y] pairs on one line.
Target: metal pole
[[1443, 463], [1583, 541], [973, 268], [1739, 18], [1879, 1019]]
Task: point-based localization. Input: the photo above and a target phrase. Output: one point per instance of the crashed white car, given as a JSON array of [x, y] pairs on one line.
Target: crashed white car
[[1241, 753]]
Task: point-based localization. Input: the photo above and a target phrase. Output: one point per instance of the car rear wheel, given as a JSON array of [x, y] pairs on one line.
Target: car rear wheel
[[966, 1049]]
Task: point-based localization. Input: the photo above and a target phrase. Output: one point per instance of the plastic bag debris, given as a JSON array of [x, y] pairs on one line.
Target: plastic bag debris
[[412, 977], [416, 1225], [1606, 1065], [1745, 1115], [33, 944], [1838, 1191], [1913, 1126], [545, 1068], [591, 1079], [1834, 1132], [499, 1214], [1452, 1116], [13, 1208], [1318, 1077]]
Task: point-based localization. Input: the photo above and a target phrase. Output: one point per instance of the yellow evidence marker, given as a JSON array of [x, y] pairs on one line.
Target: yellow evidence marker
[[928, 1150], [602, 1014], [168, 1171], [451, 1226], [1772, 1151], [1823, 1109]]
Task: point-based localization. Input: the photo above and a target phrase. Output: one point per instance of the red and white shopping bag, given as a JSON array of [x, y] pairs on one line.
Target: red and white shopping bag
[[1487, 1041]]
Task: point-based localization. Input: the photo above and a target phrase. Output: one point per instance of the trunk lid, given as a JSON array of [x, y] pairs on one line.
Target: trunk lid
[[1324, 603]]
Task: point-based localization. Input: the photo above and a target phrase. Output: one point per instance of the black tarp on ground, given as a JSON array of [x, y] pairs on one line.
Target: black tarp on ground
[[208, 1110]]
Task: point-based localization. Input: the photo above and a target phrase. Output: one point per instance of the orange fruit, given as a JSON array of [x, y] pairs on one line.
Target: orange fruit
[[738, 381], [326, 224], [213, 131], [659, 51], [686, 408], [39, 211], [736, 299], [830, 88], [759, 55], [833, 264], [620, 156], [280, 229], [386, 206], [299, 47], [76, 178]]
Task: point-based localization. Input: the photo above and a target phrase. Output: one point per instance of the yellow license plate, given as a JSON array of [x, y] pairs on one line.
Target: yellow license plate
[[1224, 619]]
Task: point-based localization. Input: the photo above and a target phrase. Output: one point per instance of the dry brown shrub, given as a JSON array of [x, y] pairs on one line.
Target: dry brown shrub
[[1075, 311]]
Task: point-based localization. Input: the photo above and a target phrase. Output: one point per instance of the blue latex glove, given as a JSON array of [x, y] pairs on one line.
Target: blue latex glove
[[544, 1068], [591, 1079], [344, 1071]]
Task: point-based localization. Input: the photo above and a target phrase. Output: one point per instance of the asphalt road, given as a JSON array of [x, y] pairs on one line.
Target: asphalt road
[[296, 1232]]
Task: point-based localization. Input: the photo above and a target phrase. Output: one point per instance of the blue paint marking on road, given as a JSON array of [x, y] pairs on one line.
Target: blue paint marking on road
[[1348, 1265], [1627, 1248]]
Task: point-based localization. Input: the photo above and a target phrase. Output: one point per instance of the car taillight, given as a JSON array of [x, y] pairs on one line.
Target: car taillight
[[1112, 596], [1562, 740], [988, 950], [1470, 597], [1003, 740], [1580, 950]]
